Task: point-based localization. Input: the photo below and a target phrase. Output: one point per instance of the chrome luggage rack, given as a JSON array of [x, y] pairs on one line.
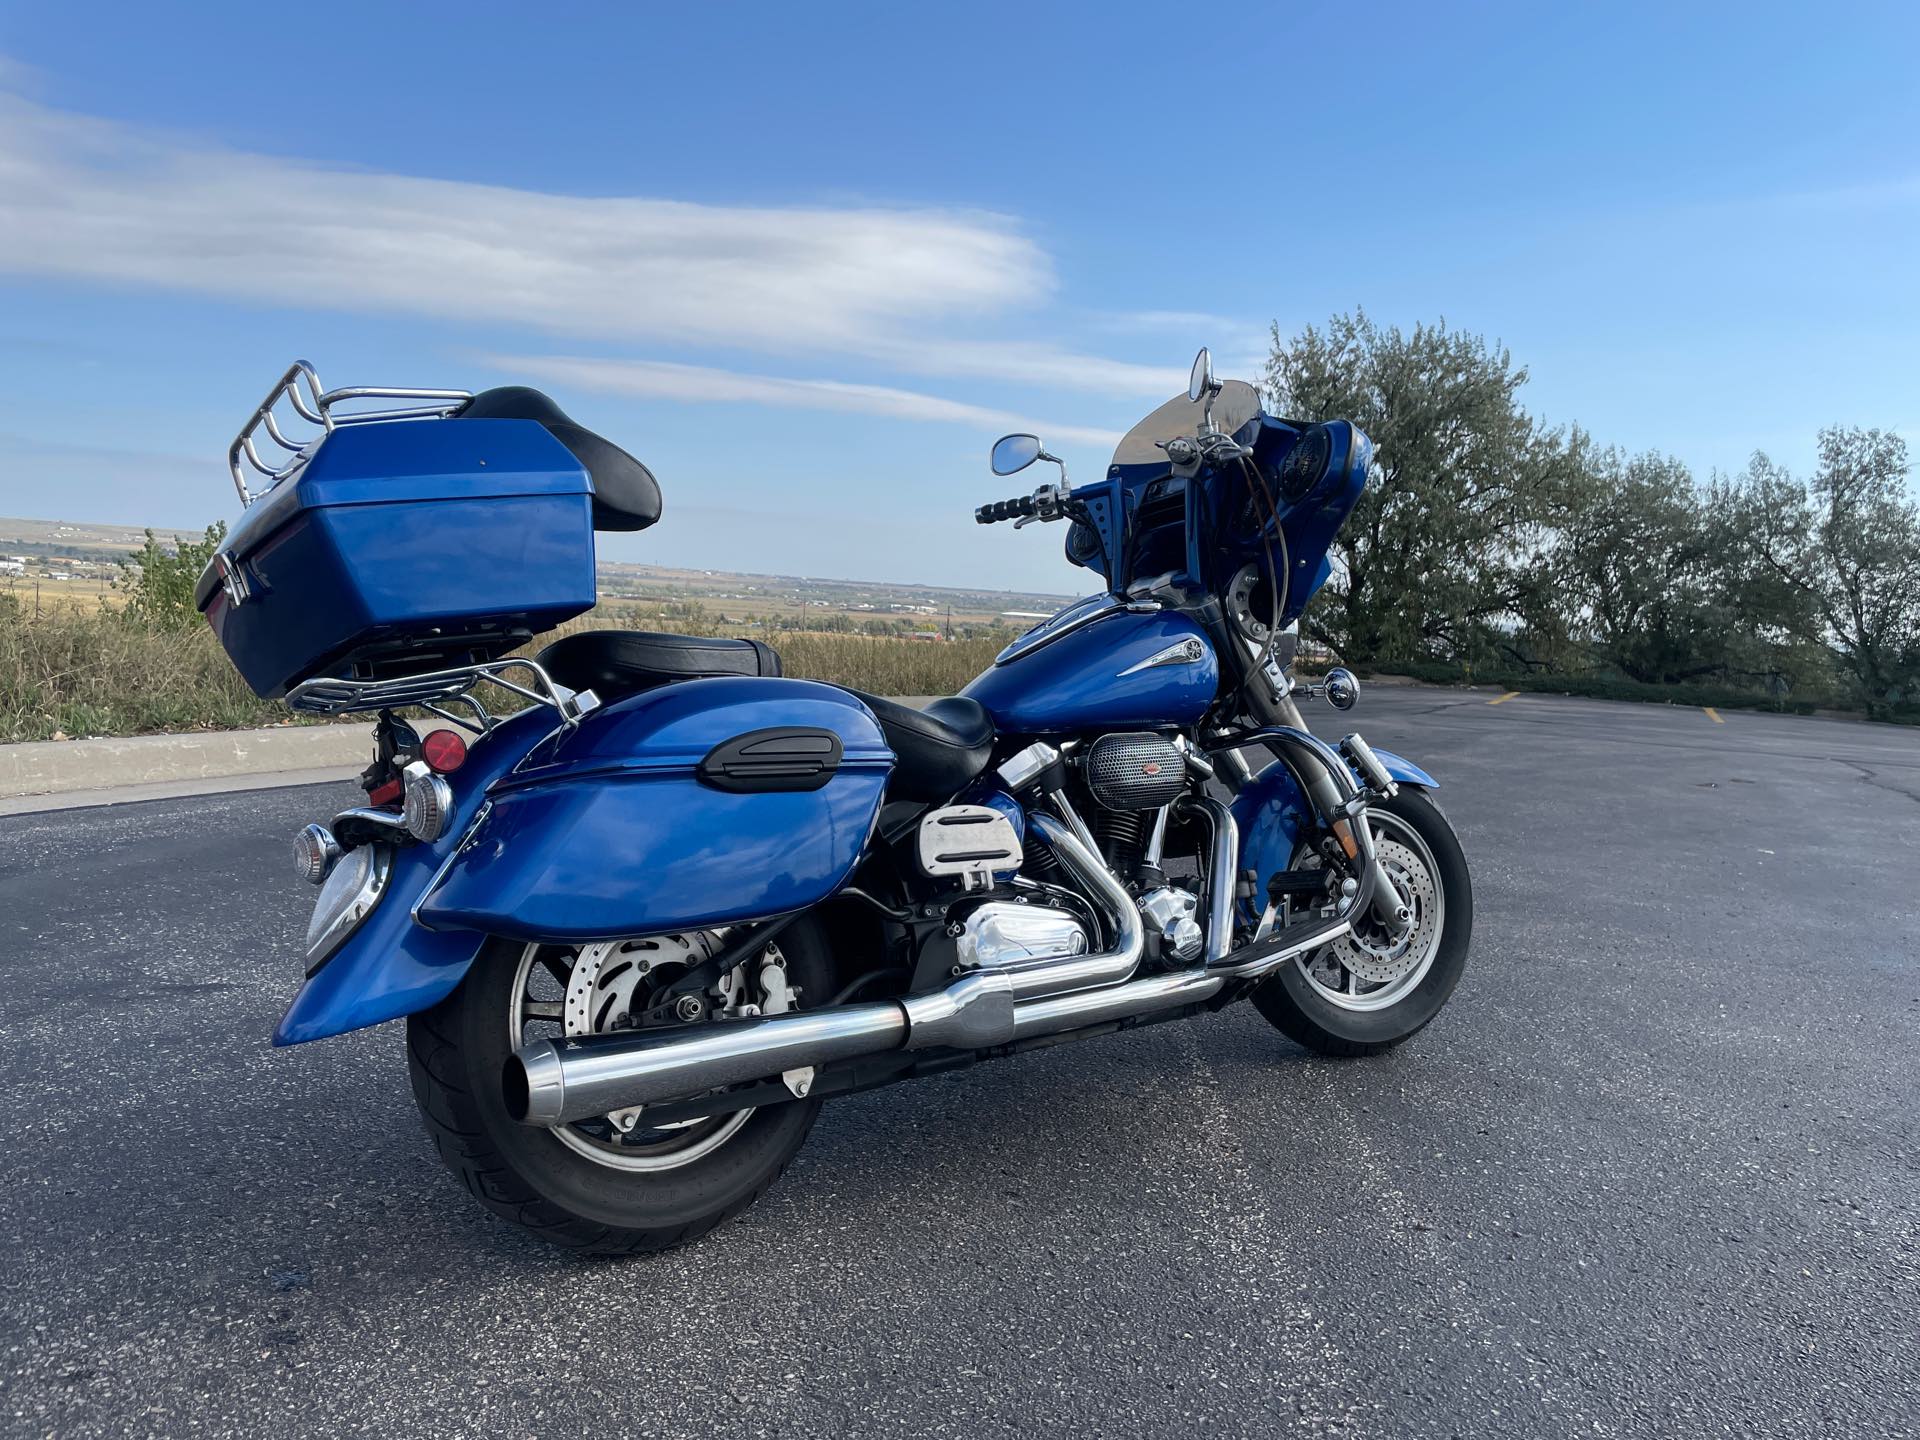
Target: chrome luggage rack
[[435, 688], [300, 388]]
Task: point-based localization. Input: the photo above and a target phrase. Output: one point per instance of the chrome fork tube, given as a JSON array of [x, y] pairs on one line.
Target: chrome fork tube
[[1332, 789]]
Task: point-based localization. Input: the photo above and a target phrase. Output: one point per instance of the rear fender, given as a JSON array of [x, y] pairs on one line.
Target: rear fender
[[607, 830], [390, 966]]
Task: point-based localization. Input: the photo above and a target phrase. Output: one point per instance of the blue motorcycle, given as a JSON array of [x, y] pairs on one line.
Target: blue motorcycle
[[645, 902]]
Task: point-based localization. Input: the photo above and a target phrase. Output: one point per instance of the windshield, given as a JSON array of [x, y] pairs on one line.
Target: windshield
[[1236, 404]]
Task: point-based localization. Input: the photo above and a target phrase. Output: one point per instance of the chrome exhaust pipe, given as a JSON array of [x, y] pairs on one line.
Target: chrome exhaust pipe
[[556, 1082], [549, 1083]]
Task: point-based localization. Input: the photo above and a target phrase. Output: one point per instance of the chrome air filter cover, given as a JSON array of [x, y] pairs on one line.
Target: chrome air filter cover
[[1135, 770]]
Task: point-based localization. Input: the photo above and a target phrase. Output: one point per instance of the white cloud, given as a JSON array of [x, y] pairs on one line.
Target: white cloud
[[660, 380], [89, 199], [93, 199]]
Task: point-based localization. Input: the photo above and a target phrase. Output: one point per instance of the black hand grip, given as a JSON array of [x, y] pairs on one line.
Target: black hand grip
[[1017, 508]]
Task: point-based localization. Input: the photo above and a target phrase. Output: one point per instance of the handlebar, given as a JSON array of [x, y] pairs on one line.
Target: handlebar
[[1019, 508]]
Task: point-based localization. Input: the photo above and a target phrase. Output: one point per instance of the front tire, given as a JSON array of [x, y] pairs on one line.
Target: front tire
[[1334, 1001], [587, 1190]]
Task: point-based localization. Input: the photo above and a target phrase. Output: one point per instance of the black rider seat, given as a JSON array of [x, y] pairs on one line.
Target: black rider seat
[[613, 663], [937, 750], [625, 494]]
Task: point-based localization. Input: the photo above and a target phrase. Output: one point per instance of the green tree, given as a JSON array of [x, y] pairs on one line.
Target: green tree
[[158, 583], [1636, 565], [1846, 551], [1449, 543]]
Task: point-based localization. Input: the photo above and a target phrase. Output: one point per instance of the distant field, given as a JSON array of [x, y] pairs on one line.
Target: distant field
[[45, 593], [75, 671], [88, 555]]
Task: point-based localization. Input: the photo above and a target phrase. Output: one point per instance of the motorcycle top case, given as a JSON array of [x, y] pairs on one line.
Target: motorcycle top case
[[702, 803], [402, 547]]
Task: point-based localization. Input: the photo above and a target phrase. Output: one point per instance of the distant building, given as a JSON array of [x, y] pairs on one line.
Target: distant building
[[13, 567]]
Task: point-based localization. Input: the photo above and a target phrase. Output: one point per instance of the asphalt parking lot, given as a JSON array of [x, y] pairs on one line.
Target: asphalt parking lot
[[1655, 1171]]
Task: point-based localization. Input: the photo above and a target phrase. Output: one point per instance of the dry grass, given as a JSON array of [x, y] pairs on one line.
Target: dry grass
[[90, 672], [74, 673]]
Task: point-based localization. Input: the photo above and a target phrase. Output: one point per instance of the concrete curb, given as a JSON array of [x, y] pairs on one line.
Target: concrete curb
[[68, 774], [34, 774]]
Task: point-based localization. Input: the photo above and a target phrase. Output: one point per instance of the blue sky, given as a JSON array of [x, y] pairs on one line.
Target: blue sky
[[807, 261]]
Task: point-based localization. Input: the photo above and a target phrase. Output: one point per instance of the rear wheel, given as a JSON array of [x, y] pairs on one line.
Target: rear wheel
[[1369, 992], [610, 1185]]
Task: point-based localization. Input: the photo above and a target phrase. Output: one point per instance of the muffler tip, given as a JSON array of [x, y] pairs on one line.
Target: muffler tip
[[534, 1085]]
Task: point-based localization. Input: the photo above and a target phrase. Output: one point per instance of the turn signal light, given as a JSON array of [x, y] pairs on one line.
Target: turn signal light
[[315, 852], [427, 803]]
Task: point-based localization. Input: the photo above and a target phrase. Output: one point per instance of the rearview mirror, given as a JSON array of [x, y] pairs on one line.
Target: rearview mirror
[[1201, 380], [1013, 453]]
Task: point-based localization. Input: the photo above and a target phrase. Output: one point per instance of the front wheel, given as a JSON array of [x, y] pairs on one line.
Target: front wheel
[[611, 1185], [1368, 992]]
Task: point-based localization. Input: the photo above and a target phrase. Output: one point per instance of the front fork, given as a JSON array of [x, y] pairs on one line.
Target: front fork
[[1326, 776]]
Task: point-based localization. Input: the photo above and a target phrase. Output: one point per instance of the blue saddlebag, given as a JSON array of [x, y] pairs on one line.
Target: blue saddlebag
[[702, 803]]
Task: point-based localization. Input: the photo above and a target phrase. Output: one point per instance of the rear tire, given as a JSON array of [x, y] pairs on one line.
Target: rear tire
[[1304, 1013], [455, 1055]]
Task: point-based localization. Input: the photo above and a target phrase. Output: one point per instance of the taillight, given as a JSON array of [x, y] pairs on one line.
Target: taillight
[[444, 751]]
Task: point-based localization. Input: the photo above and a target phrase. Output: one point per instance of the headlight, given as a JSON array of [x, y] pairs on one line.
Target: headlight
[[428, 802]]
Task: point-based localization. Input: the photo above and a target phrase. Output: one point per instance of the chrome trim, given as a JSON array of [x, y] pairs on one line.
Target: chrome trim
[[426, 803], [327, 695], [315, 853], [466, 839], [1157, 837], [1368, 764], [586, 1075], [1105, 967], [1119, 1002], [346, 900], [1001, 933], [973, 1013], [233, 579], [1023, 767], [1189, 650], [300, 388], [388, 820], [970, 843], [1223, 871], [1072, 816], [1260, 966], [1078, 615]]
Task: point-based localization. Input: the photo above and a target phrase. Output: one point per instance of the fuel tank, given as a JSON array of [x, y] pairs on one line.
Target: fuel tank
[[1099, 665]]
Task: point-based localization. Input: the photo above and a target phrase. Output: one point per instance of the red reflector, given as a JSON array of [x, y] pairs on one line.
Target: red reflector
[[387, 794], [444, 751]]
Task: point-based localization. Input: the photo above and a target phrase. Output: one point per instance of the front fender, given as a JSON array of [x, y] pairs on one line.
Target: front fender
[[1273, 814]]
